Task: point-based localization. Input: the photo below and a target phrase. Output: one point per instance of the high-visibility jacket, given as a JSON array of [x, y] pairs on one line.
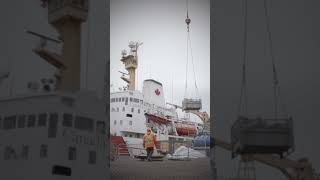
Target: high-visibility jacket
[[149, 140]]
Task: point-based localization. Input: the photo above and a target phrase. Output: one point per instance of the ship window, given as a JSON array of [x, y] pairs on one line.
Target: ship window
[[129, 115], [112, 100], [67, 120], [9, 122], [9, 153], [25, 151], [101, 127], [139, 111], [122, 99], [132, 109], [43, 151], [53, 121], [112, 109], [83, 123], [115, 122], [72, 155], [31, 120], [42, 119], [116, 99], [130, 135], [61, 170], [123, 109], [120, 122], [117, 109], [141, 101], [92, 157], [130, 123], [136, 100], [126, 99], [131, 99]]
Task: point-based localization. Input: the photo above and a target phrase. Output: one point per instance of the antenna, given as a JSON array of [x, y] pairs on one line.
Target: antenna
[[43, 36]]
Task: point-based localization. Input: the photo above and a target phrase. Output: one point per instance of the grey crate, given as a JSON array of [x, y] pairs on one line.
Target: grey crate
[[271, 136], [191, 104]]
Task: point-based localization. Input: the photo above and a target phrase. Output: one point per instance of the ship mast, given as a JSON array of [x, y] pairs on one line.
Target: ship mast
[[66, 16], [131, 64]]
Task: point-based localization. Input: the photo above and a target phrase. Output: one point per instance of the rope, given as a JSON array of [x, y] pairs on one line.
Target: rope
[[194, 73], [244, 74]]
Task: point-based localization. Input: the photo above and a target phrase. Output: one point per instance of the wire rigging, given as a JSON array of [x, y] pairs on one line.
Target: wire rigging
[[243, 91], [188, 21]]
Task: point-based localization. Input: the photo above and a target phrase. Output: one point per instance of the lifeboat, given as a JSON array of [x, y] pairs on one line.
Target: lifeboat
[[185, 129], [157, 119]]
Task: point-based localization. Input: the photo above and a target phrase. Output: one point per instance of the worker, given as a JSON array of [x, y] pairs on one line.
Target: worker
[[149, 141]]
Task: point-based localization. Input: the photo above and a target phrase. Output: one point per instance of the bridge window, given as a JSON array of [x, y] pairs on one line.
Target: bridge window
[[42, 120], [115, 122], [72, 154], [112, 100], [53, 123], [43, 151], [9, 122], [67, 120], [131, 99], [116, 99], [84, 123], [31, 120], [122, 99], [92, 157], [136, 100]]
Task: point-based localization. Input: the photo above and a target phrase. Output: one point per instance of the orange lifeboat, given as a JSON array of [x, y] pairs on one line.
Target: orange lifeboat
[[185, 129]]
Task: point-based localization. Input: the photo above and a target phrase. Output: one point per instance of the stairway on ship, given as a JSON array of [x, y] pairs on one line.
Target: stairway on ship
[[120, 145]]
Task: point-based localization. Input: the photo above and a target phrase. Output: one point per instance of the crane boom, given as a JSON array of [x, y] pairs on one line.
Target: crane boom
[[292, 169]]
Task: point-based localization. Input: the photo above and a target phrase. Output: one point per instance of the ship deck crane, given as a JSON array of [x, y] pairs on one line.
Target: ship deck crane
[[293, 169]]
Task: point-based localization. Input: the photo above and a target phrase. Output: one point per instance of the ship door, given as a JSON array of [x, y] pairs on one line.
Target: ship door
[[53, 123]]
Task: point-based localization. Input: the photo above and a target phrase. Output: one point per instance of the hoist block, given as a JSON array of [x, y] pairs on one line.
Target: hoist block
[[191, 104], [266, 136]]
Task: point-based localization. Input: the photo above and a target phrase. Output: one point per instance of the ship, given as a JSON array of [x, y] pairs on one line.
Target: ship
[[133, 111], [58, 134]]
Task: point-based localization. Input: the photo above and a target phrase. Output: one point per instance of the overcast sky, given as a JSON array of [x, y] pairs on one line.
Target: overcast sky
[[161, 26]]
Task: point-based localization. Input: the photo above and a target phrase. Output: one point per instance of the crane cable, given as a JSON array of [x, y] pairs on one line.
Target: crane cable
[[276, 85], [243, 91], [188, 21]]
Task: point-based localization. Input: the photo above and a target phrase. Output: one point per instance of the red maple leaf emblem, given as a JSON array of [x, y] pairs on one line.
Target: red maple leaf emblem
[[157, 92]]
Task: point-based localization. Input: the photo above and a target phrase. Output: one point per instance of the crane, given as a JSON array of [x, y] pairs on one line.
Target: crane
[[293, 169]]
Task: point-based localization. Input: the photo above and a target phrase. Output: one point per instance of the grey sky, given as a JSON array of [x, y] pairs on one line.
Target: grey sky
[[160, 26]]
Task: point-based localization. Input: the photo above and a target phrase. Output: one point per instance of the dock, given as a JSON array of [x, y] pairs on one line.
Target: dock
[[128, 168]]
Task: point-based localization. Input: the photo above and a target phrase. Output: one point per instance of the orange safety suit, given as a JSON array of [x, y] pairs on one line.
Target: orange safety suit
[[149, 140]]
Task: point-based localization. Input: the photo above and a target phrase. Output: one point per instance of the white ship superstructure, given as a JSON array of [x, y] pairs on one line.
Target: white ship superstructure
[[59, 134], [133, 111]]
